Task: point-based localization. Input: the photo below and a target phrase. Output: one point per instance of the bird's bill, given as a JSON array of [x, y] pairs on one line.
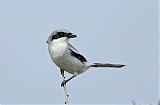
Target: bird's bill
[[72, 36]]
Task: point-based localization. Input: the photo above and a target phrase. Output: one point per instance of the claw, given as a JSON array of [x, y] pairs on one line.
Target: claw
[[63, 83]]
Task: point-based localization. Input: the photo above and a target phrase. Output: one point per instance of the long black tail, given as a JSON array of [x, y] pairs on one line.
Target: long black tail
[[107, 65]]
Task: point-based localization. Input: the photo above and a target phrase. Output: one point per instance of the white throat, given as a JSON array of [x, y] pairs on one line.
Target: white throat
[[59, 40], [58, 47]]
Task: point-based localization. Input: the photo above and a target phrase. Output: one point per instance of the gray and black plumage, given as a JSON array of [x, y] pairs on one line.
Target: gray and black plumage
[[67, 58]]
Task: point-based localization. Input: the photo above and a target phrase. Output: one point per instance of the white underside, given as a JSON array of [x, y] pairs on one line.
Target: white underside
[[60, 55]]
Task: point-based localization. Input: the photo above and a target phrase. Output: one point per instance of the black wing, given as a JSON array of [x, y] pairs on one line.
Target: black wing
[[78, 56]]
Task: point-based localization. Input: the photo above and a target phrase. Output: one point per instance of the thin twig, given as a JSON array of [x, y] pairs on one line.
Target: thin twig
[[65, 92]]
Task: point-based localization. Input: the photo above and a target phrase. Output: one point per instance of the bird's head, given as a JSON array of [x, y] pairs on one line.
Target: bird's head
[[60, 35]]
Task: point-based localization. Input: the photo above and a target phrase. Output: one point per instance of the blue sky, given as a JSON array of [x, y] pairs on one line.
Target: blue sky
[[119, 31]]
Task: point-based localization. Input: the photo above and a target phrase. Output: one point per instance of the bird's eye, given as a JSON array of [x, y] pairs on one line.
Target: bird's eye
[[60, 34], [69, 33]]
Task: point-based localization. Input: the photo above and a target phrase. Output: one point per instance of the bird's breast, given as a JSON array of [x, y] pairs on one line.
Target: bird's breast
[[57, 51], [60, 55]]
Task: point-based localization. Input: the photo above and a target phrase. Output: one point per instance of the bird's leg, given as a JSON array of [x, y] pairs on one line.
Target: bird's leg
[[62, 73], [65, 81]]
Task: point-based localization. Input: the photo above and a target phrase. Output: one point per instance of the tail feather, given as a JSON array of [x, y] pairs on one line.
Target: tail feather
[[107, 65]]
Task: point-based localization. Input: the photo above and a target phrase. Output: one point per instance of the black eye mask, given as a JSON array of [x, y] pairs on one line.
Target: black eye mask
[[60, 34]]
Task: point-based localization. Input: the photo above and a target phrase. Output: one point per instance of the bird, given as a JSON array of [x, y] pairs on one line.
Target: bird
[[67, 57]]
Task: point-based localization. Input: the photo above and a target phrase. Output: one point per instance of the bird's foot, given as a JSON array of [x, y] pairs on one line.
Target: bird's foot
[[63, 83]]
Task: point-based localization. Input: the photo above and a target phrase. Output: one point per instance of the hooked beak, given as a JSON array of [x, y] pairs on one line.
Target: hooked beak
[[72, 36]]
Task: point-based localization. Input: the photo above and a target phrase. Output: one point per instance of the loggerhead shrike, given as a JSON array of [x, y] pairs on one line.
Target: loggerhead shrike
[[67, 58]]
